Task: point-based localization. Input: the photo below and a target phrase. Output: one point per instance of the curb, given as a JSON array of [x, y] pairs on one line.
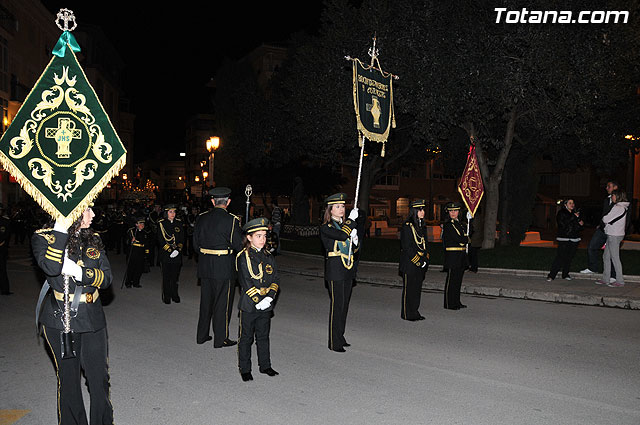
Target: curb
[[515, 272], [489, 291]]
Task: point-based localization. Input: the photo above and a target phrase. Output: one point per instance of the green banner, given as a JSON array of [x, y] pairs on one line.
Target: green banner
[[373, 101], [61, 147]]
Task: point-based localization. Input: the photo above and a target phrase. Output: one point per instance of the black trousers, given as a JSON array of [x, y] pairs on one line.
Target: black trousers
[[340, 292], [252, 325], [91, 357], [216, 303], [564, 255], [4, 277], [411, 293], [170, 275], [452, 287]]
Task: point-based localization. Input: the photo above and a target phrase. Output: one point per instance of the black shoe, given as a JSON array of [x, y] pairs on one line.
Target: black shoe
[[7, 293], [176, 299], [346, 344], [137, 286], [338, 350], [166, 300], [226, 343], [452, 308], [420, 317], [128, 286], [247, 376], [269, 372], [463, 306], [207, 339]]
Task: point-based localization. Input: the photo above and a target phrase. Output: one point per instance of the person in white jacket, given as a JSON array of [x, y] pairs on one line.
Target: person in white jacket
[[615, 224]]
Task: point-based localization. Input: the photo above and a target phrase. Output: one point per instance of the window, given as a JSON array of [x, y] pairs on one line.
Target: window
[[387, 180]]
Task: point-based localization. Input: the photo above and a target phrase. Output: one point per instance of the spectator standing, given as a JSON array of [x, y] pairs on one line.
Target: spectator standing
[[599, 237], [569, 228], [614, 228]]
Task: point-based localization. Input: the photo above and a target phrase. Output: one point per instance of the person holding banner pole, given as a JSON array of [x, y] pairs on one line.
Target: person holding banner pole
[[340, 240], [455, 240], [75, 254]]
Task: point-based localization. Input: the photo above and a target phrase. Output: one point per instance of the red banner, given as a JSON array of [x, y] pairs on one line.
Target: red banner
[[471, 187]]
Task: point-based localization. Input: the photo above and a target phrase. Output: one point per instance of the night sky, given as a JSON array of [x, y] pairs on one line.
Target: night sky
[[170, 53]]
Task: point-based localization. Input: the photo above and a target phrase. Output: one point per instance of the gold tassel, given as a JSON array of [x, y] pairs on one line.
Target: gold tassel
[[360, 141], [384, 146]]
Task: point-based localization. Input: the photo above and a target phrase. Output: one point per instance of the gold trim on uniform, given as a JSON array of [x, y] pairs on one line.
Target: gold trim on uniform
[[93, 253], [90, 273], [274, 287], [89, 297], [268, 268]]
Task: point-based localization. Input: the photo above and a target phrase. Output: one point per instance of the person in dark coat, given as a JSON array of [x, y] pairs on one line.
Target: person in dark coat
[[569, 228], [76, 252], [217, 236], [259, 285], [414, 260], [170, 242], [137, 239], [455, 240], [339, 237]]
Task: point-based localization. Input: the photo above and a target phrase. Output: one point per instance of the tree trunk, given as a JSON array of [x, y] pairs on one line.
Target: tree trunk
[[504, 210], [492, 178]]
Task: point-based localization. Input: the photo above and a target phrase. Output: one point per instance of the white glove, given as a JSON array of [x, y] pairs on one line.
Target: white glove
[[354, 239], [353, 214], [60, 226], [264, 304], [174, 254], [71, 268], [424, 265]]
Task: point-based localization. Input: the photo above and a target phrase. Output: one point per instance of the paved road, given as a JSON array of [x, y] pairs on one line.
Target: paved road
[[501, 361]]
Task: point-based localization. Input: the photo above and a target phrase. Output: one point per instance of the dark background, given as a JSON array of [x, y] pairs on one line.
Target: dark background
[[170, 53]]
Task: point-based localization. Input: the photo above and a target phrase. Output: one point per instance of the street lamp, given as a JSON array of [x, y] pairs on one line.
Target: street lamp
[[212, 144]]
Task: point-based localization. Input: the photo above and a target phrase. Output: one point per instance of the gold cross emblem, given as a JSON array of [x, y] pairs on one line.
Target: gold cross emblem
[[64, 134]]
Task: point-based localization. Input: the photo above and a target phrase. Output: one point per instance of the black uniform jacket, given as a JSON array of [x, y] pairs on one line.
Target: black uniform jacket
[[454, 239], [258, 278], [170, 237], [413, 247], [336, 265], [138, 249], [48, 249], [215, 238]]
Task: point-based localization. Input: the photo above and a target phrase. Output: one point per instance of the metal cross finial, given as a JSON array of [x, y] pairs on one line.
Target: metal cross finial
[[373, 52], [66, 16]]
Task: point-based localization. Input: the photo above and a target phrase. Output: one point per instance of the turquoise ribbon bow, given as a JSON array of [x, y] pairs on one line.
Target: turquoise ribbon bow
[[61, 46]]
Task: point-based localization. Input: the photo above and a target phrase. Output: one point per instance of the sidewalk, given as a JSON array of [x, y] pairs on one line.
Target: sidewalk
[[523, 284]]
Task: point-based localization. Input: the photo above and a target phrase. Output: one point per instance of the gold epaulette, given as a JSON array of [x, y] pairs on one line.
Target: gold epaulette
[[48, 229], [238, 256]]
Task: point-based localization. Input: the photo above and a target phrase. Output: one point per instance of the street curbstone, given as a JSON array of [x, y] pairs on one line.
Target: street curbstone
[[615, 302]]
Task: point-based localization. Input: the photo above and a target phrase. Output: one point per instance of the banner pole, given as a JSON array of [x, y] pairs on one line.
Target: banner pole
[[355, 201]]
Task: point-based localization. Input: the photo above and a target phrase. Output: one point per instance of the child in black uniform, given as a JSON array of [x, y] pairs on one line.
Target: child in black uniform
[[259, 284]]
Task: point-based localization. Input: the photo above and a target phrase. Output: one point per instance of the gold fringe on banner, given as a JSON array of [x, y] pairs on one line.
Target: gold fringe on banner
[[46, 205]]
